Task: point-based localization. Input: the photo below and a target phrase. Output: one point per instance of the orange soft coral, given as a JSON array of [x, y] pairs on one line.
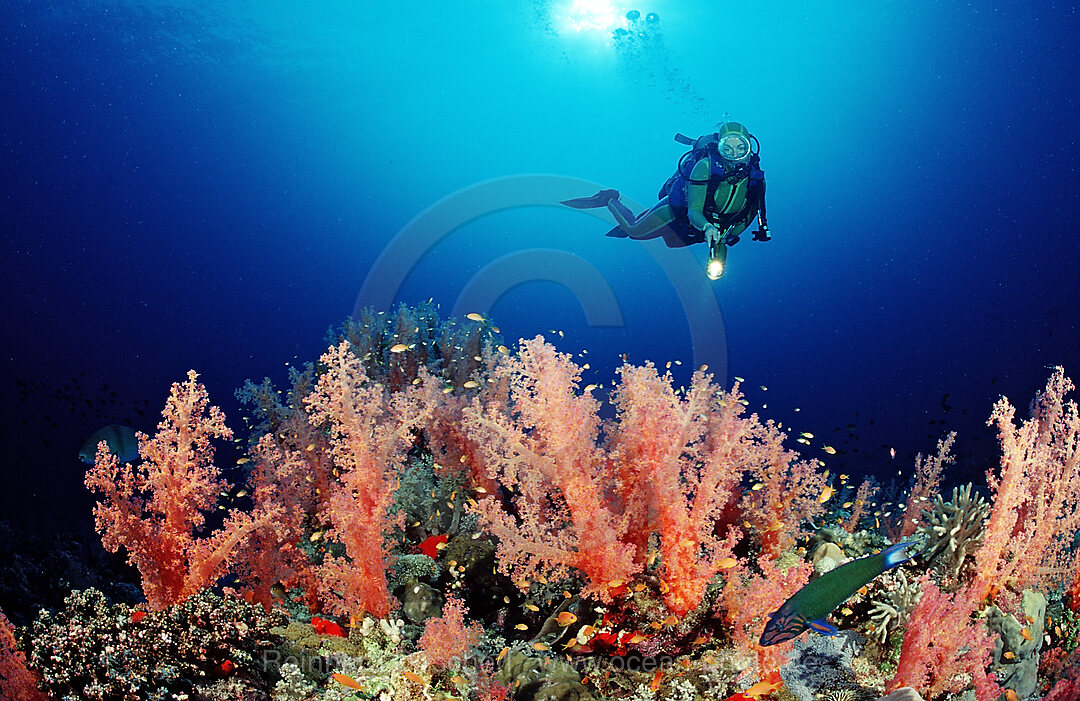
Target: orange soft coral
[[155, 509]]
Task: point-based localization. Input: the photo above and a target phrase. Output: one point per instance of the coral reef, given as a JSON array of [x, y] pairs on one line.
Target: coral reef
[[955, 527], [429, 514], [889, 612], [95, 650]]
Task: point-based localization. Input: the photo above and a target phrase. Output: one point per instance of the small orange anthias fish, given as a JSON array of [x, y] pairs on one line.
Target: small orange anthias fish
[[346, 680], [772, 682]]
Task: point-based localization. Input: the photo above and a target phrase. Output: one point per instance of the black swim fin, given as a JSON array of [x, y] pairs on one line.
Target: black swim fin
[[600, 199]]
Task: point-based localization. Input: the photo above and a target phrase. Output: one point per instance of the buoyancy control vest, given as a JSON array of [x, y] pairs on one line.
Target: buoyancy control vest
[[720, 172]]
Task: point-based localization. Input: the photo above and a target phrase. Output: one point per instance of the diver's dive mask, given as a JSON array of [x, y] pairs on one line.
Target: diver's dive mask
[[734, 148], [734, 142]]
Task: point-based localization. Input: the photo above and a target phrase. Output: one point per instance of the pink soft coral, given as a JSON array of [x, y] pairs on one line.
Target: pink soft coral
[[155, 509], [447, 639], [1035, 512], [670, 464], [542, 443], [370, 431]]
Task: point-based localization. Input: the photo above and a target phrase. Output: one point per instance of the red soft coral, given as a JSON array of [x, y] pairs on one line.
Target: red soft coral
[[746, 600], [786, 489], [945, 649], [156, 509], [283, 477], [677, 461], [16, 681]]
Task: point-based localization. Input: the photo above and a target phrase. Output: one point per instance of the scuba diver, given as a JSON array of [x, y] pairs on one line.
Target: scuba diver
[[714, 195]]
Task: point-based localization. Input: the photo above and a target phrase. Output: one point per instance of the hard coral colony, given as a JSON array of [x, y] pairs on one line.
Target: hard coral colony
[[428, 513]]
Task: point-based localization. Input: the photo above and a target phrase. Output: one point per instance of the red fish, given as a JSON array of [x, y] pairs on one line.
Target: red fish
[[325, 627], [430, 546]]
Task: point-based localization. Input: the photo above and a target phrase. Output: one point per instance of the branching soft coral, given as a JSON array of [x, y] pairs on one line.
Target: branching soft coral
[[280, 476], [945, 649], [1035, 512], [928, 471], [669, 466], [789, 488], [370, 431], [677, 462], [16, 681], [541, 443], [156, 509], [447, 639], [747, 598]]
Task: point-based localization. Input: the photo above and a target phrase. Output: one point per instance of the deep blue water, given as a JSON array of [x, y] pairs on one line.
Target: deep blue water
[[212, 187]]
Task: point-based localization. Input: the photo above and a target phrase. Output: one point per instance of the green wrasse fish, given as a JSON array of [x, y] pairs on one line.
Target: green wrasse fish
[[808, 607]]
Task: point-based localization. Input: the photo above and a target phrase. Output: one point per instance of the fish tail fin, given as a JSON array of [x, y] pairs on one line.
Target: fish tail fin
[[897, 554]]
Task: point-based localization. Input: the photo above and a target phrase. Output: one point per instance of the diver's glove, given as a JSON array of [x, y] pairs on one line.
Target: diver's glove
[[712, 236], [762, 234]]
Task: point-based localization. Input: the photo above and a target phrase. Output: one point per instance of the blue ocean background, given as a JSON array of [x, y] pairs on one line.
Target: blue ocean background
[[212, 185]]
